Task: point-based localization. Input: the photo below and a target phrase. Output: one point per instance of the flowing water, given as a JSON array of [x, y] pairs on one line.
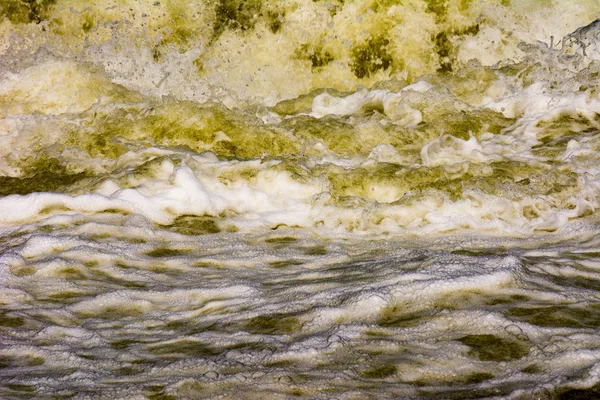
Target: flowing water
[[318, 199]]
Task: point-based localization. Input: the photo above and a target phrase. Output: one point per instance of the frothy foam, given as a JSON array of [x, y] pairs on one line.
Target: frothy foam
[[230, 199]]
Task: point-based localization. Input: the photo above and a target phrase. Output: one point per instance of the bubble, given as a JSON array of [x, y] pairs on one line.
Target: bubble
[[211, 375], [286, 379], [516, 331]]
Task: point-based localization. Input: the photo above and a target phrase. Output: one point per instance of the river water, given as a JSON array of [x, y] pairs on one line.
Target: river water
[[299, 199]]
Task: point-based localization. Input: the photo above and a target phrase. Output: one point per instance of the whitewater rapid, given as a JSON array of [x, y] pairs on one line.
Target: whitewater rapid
[[281, 199]]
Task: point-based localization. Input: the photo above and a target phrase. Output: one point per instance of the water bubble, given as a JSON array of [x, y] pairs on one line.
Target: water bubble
[[513, 329], [550, 348], [542, 393], [516, 331], [211, 375], [334, 339], [285, 379]]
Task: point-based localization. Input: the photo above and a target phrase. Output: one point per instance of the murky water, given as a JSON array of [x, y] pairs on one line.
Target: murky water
[[299, 199]]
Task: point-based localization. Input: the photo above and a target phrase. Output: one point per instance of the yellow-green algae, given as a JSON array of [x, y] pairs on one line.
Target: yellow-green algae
[[25, 11], [521, 179], [181, 123], [336, 47], [303, 103]]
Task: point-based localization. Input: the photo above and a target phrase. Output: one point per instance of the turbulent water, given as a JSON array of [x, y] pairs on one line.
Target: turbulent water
[[319, 199]]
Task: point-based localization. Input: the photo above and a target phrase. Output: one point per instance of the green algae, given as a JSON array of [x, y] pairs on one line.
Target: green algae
[[157, 392], [273, 325], [558, 131], [303, 103], [46, 174], [438, 7], [71, 272], [163, 252], [182, 347], [129, 371], [235, 14], [577, 282], [67, 296], [10, 321], [25, 11], [380, 372], [317, 55], [361, 182], [315, 251], [477, 377], [371, 57], [470, 378], [493, 348], [403, 316], [163, 26], [180, 34], [282, 239], [444, 47], [464, 124], [123, 344], [558, 316], [113, 312], [212, 127], [531, 369], [579, 394], [25, 360], [23, 270], [164, 270], [249, 173], [284, 263], [339, 136], [496, 178], [19, 387], [194, 225], [102, 143]]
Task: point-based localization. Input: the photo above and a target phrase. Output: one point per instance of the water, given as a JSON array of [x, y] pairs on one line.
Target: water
[[299, 199]]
